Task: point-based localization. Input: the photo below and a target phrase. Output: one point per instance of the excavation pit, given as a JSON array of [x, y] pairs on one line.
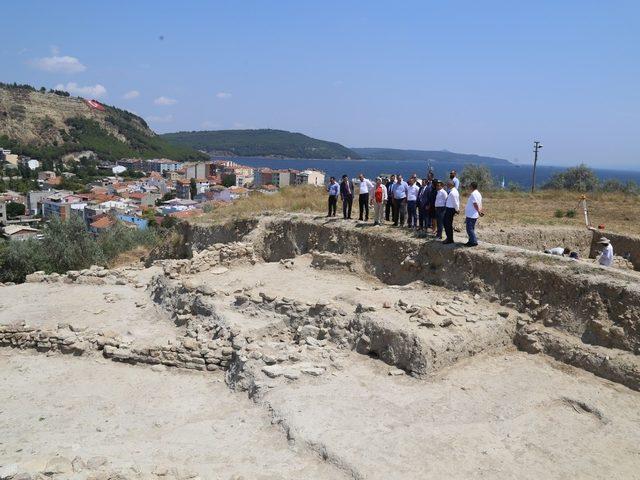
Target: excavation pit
[[292, 347]]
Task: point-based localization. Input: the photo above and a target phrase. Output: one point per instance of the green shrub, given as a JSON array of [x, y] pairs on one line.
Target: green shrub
[[481, 174], [67, 246], [558, 213], [570, 213], [580, 178]]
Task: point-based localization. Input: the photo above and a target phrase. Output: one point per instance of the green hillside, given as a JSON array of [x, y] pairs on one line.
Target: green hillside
[[260, 143], [396, 154], [49, 124]]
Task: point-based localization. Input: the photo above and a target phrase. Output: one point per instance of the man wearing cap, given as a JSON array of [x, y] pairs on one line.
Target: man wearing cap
[[606, 256], [452, 208]]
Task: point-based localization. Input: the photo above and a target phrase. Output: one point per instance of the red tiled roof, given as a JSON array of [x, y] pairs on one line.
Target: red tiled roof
[[187, 213], [104, 221]]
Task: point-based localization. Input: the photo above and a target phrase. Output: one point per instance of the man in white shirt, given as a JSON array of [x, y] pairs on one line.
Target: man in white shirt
[[365, 186], [606, 256], [559, 251], [440, 204], [452, 207], [412, 203], [472, 212]]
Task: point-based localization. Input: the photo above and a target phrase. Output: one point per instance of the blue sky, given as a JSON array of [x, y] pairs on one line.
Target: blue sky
[[484, 77]]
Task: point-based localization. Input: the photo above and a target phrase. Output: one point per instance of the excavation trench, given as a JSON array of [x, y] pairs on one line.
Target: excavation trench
[[586, 304]]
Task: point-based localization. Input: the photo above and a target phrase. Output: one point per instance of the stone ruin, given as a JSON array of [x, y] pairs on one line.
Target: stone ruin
[[295, 347]]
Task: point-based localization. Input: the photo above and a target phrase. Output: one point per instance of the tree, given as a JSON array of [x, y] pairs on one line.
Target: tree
[[193, 189], [15, 209], [229, 180], [580, 178], [70, 246], [479, 174]]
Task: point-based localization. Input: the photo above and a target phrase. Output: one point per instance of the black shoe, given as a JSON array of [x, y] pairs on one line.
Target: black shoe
[[394, 225], [469, 244], [446, 242]]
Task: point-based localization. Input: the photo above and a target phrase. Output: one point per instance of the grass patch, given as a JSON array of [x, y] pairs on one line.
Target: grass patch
[[504, 209]]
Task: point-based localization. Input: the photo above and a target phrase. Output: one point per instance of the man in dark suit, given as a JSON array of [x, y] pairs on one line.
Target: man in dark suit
[[387, 207], [423, 204], [346, 194]]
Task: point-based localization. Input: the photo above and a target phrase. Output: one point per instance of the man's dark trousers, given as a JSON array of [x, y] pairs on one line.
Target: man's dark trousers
[[363, 205], [448, 223], [333, 205], [395, 210], [439, 221], [347, 203]]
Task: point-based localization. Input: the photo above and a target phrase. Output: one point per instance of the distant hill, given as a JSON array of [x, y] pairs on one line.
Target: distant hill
[[49, 124], [424, 155], [260, 143]]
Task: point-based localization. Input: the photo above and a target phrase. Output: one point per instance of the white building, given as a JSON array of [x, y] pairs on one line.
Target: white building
[[310, 177]]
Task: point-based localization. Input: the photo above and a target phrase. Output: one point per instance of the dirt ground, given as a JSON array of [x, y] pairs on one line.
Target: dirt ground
[[140, 420], [225, 366]]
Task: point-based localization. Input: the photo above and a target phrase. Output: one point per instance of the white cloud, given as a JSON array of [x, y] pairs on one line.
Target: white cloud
[[131, 94], [160, 118], [165, 101], [56, 64], [223, 95], [95, 91], [210, 124], [55, 50]]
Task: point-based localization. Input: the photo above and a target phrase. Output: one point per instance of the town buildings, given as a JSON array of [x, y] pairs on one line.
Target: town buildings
[[164, 186]]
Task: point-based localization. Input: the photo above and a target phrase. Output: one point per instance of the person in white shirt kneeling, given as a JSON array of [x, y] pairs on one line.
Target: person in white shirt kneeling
[[473, 211], [606, 256]]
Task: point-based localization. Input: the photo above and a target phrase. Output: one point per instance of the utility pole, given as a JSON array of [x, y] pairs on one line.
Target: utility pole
[[536, 146]]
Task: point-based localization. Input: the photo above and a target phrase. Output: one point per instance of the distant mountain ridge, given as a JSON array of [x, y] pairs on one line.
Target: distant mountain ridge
[[50, 124], [397, 154], [260, 143]]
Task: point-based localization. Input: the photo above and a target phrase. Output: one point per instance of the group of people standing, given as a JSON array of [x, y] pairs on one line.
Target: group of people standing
[[426, 205]]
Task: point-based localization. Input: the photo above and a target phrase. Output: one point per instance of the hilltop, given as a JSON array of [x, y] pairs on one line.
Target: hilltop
[[49, 124], [260, 143], [424, 155]]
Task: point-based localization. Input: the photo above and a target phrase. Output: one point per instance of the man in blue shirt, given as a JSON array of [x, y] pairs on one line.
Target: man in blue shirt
[[334, 191], [399, 192], [453, 176]]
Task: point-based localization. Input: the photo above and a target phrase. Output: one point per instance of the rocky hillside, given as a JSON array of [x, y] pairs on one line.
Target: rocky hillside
[[260, 143], [48, 125]]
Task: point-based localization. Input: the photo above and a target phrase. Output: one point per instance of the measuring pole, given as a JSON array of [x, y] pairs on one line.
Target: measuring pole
[[586, 212], [536, 146]]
